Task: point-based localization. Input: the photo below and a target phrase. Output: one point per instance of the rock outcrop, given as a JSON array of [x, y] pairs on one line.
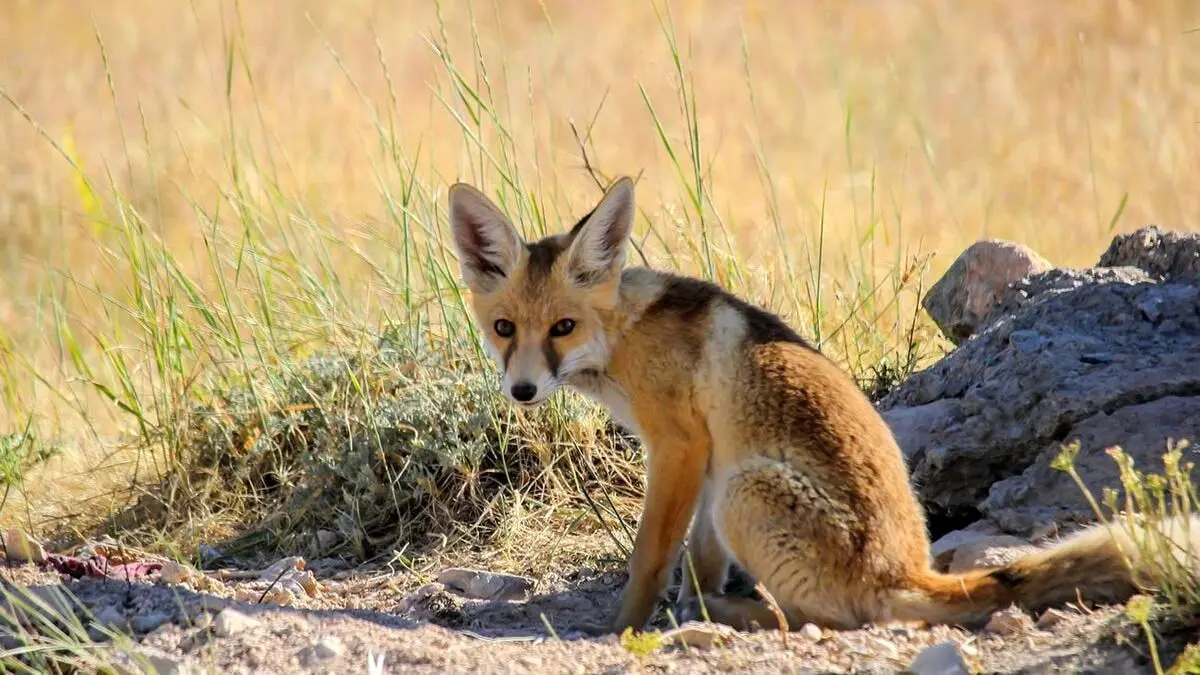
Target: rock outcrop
[[1104, 356]]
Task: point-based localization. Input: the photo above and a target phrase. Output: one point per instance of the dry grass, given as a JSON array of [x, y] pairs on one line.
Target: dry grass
[[198, 195]]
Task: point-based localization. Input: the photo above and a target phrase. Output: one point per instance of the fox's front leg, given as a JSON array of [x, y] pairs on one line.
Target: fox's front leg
[[704, 564], [675, 476]]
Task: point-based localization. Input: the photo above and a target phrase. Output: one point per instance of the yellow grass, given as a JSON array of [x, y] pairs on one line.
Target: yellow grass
[[890, 129]]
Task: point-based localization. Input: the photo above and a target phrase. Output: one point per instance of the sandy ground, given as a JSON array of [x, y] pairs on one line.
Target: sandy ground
[[403, 622]]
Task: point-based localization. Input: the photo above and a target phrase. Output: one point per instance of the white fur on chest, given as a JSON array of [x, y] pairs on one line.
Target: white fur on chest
[[607, 393]]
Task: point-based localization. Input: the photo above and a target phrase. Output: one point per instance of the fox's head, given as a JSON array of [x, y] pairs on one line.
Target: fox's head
[[543, 307]]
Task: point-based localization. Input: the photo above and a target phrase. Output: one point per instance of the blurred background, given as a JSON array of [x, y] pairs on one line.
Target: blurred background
[[193, 193]]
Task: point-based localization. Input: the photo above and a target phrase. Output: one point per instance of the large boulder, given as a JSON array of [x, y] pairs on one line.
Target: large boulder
[[1104, 356]]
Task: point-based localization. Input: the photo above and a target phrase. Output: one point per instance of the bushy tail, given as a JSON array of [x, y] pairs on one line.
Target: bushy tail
[[1103, 564]]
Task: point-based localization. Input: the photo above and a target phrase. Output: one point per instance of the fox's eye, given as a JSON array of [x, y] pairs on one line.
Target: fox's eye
[[504, 328], [562, 327]]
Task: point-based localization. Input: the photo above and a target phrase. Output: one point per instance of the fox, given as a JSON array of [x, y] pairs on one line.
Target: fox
[[759, 449]]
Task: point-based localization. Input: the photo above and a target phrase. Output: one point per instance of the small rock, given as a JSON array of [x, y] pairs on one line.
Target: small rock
[[283, 597], [231, 622], [975, 282], [326, 649], [988, 552], [175, 573], [940, 659], [811, 632], [1051, 618], [699, 635], [482, 585], [327, 539], [1162, 253], [148, 623], [1011, 621], [943, 549], [22, 548], [111, 617], [276, 569], [1151, 307]]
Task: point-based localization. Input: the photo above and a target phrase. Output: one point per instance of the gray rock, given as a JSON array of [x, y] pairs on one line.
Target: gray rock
[[1076, 359], [229, 622], [1163, 254], [942, 550], [482, 585], [1042, 494], [975, 282], [940, 659], [111, 618], [149, 622], [988, 552], [326, 649]]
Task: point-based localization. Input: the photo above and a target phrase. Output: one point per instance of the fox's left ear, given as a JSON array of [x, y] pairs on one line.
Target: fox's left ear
[[597, 250]]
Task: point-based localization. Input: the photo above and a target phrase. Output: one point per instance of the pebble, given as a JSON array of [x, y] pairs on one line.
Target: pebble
[[326, 649], [22, 548], [111, 617], [811, 632], [231, 622], [940, 659], [483, 585], [1051, 618], [699, 635], [1011, 621], [149, 622]]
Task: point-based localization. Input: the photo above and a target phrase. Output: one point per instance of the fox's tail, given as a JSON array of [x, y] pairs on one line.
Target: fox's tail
[[1103, 564]]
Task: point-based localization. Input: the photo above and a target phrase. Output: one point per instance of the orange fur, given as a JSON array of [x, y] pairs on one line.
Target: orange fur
[[774, 455]]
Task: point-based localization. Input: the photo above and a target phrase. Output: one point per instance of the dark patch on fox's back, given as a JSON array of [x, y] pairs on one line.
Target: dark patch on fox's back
[[690, 298]]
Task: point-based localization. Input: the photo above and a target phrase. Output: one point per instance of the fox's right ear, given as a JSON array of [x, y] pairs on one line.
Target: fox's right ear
[[489, 247]]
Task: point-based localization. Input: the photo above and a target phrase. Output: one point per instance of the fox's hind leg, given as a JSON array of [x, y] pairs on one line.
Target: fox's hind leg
[[704, 564], [791, 537]]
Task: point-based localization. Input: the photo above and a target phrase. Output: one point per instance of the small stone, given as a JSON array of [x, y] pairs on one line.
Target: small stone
[[1010, 621], [326, 649], [148, 623], [111, 617], [1026, 340], [940, 659], [231, 622], [1051, 618], [283, 597], [811, 632], [1151, 308], [482, 585], [699, 635], [276, 569], [327, 539], [22, 548]]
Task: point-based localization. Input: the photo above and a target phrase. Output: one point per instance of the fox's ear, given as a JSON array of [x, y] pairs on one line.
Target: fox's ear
[[598, 242], [489, 247]]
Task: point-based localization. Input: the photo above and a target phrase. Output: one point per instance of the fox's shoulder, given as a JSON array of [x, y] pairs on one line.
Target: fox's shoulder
[[666, 297]]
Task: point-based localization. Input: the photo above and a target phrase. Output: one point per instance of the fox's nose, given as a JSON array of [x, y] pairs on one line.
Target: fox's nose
[[524, 391]]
